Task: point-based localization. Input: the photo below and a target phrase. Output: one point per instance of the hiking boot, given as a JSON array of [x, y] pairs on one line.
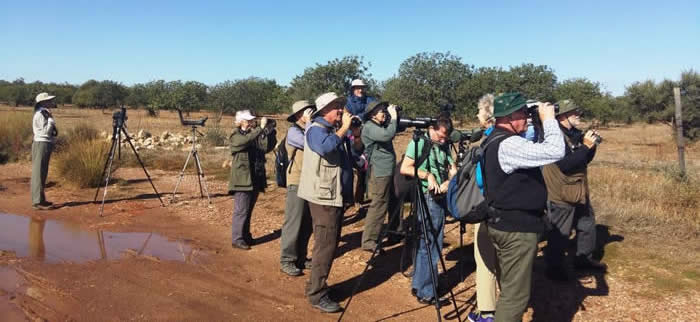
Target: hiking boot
[[583, 262], [557, 274], [475, 316], [240, 245], [290, 269], [326, 305]]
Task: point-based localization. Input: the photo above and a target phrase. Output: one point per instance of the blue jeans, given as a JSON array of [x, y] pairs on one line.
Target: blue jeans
[[422, 283]]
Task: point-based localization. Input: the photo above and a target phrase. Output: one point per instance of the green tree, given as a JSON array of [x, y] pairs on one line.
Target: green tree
[[690, 99], [648, 99], [533, 81], [334, 76], [258, 94], [190, 96]]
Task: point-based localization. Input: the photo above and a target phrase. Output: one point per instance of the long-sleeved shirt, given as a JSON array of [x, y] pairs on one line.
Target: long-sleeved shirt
[[324, 141], [516, 152], [378, 143], [295, 137], [44, 126], [357, 105], [577, 156]]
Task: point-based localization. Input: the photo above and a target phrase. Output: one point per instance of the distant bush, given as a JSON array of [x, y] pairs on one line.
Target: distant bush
[[15, 135], [216, 136], [80, 163]]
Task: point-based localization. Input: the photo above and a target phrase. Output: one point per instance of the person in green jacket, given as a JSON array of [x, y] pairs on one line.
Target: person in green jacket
[[249, 143], [377, 135]]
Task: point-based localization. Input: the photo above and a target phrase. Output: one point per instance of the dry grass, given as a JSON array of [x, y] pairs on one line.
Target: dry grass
[[15, 135], [80, 163]]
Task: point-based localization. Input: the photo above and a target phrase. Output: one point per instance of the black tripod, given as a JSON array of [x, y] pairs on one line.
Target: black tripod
[[198, 165], [118, 124], [419, 207]]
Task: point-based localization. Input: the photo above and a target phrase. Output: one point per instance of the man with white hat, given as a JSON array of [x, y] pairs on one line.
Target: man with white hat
[[357, 105], [45, 132], [249, 143], [326, 182], [358, 100], [297, 227]]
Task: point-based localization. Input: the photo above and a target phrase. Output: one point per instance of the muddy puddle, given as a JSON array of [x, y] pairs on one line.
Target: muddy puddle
[[54, 241]]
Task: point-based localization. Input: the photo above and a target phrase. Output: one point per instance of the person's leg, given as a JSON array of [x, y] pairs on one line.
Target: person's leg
[[247, 236], [516, 253], [422, 281], [47, 148], [585, 230], [379, 193], [485, 276], [293, 214], [241, 201], [37, 186], [305, 232], [326, 222], [561, 216]]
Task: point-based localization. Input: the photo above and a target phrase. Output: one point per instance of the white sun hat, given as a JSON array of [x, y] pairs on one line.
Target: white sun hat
[[43, 97], [244, 115], [358, 83]]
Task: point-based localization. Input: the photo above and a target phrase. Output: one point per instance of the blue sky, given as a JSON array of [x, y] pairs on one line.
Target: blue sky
[[611, 42]]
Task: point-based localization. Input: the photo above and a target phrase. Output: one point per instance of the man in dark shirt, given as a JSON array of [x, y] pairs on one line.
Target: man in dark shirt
[[568, 202]]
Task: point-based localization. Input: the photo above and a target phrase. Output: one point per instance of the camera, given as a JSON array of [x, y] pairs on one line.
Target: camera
[[356, 122], [533, 110], [459, 136], [271, 124], [119, 117]]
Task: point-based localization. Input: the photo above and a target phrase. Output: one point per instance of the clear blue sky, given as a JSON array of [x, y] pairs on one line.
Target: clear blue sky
[[612, 42]]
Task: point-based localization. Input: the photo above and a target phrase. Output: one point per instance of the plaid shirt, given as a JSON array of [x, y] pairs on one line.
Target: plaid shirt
[[516, 152]]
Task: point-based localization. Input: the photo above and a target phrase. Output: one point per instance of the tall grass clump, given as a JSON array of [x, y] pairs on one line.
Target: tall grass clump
[[15, 135], [79, 133], [80, 163]]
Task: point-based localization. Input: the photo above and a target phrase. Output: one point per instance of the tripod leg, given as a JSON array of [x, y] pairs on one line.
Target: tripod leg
[[200, 174], [104, 170], [182, 174], [128, 139], [108, 172]]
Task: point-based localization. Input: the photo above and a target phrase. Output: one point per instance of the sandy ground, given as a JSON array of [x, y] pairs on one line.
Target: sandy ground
[[227, 284]]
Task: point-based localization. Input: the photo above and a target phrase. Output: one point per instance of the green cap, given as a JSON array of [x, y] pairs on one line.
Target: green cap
[[372, 106], [566, 106], [508, 103]]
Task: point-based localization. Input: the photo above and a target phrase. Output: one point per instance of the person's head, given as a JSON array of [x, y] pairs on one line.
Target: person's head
[[45, 100], [569, 114], [244, 119], [298, 108], [376, 111], [358, 87], [330, 107], [440, 131], [510, 112], [485, 113]]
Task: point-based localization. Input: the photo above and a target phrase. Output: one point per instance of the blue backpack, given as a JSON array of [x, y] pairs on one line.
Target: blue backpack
[[464, 197]]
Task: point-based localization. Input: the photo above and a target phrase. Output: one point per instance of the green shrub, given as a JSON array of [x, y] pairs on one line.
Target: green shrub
[[15, 135], [80, 163], [80, 133]]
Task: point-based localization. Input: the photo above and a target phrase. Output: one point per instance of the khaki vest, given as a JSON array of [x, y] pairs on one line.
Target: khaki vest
[[571, 189], [295, 163], [320, 180]]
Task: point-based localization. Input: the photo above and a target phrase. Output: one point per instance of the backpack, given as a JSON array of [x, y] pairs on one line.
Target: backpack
[[464, 198], [282, 161], [403, 184]]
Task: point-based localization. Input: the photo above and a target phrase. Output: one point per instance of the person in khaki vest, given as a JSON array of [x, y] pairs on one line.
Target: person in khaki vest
[[326, 183], [568, 204], [297, 228]]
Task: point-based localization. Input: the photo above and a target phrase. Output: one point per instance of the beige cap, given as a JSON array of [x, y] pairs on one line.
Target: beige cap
[[244, 115], [358, 83], [299, 106], [328, 99], [43, 97]]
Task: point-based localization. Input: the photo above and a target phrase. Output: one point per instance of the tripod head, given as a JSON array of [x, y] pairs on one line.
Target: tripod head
[[192, 123]]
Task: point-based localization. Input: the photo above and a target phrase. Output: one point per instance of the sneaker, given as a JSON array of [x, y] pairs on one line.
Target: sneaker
[[290, 269], [326, 305], [475, 316], [240, 245], [583, 262]]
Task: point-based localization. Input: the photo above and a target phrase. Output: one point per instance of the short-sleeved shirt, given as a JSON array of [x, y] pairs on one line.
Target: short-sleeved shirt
[[439, 159]]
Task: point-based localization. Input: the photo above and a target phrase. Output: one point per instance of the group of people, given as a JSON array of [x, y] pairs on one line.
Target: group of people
[[535, 189]]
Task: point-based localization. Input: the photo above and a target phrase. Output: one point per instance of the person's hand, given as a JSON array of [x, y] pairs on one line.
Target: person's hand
[[546, 111], [589, 138], [392, 111], [307, 115], [444, 186], [432, 184], [263, 122], [346, 120]]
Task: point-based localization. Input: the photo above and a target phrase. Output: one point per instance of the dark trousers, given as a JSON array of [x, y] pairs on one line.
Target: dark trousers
[[564, 217], [381, 190], [296, 229], [243, 203], [41, 154], [515, 252], [327, 221]]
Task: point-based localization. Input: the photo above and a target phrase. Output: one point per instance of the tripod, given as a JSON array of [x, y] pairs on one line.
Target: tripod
[[118, 124], [419, 209], [198, 164]]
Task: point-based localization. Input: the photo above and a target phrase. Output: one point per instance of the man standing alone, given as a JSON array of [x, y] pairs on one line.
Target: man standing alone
[[45, 132]]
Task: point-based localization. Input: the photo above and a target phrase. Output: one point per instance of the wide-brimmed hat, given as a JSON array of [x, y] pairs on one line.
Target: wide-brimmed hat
[[358, 83], [299, 107], [373, 106], [508, 103], [326, 100], [566, 106], [244, 115], [43, 97]]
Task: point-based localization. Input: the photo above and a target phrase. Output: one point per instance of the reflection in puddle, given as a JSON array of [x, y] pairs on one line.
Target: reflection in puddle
[[57, 241]]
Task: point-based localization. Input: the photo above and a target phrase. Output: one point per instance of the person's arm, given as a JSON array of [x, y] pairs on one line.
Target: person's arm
[[379, 133], [321, 141], [295, 137], [408, 167], [516, 152], [240, 142], [574, 161]]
